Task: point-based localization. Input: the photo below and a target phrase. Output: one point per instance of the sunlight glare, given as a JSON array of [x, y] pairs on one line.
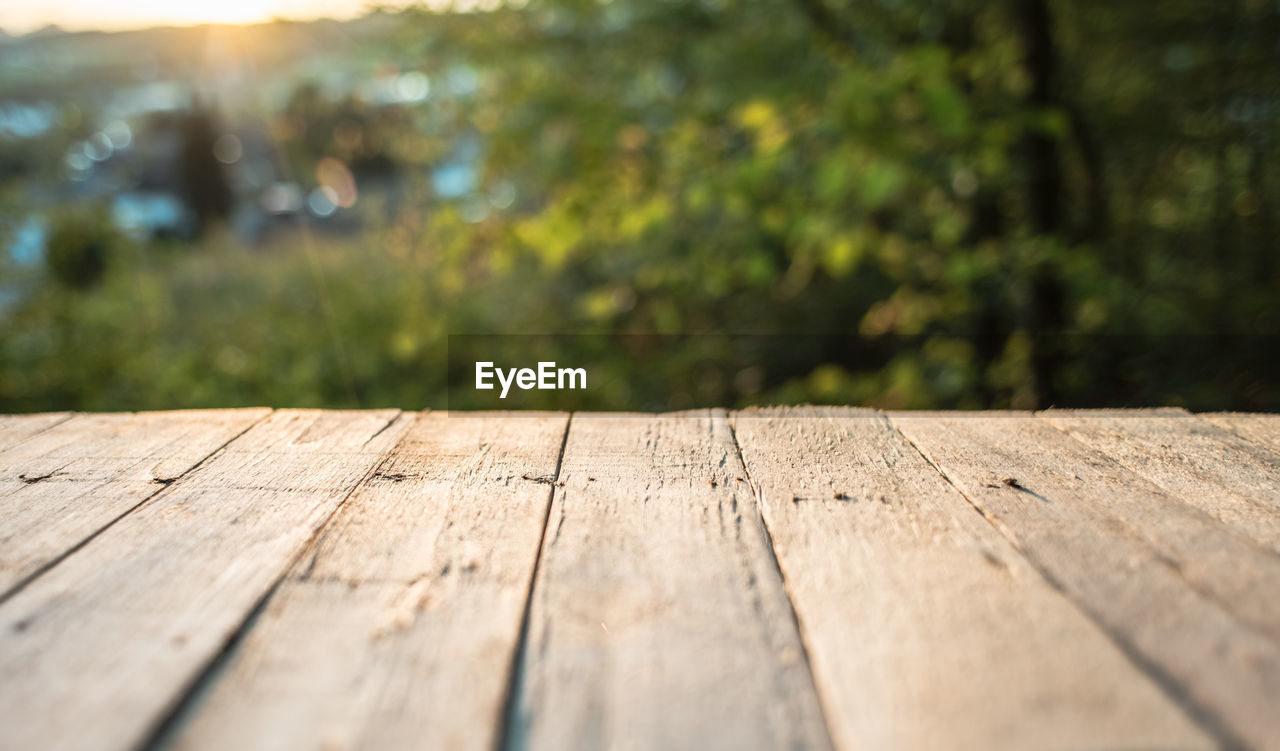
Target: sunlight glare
[[137, 14]]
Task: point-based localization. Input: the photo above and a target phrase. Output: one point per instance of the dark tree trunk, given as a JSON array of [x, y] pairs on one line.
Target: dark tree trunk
[[1045, 311]]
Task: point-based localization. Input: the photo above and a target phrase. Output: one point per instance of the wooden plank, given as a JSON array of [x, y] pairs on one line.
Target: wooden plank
[[658, 619], [1190, 510], [1203, 464], [1107, 538], [926, 629], [14, 429], [62, 486], [94, 653], [400, 628], [1263, 430]]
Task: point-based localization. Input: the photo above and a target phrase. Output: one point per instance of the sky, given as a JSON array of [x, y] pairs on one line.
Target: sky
[[112, 15]]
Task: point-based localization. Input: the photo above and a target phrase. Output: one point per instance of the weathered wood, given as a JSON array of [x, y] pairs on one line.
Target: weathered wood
[[658, 619], [1263, 430], [64, 484], [926, 629], [1203, 464], [1082, 581], [14, 429], [399, 629], [95, 652], [1086, 522], [1180, 514]]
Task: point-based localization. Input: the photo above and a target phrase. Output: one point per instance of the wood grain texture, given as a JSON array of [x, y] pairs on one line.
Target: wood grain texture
[[1193, 474], [1264, 430], [399, 628], [1084, 521], [66, 483], [1203, 464], [363, 579], [95, 652], [925, 627], [658, 619], [14, 429]]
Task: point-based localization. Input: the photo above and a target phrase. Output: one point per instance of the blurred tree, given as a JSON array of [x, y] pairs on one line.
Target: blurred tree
[[204, 182]]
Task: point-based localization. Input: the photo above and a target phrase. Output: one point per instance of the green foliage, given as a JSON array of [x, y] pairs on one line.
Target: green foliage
[[81, 243], [999, 234]]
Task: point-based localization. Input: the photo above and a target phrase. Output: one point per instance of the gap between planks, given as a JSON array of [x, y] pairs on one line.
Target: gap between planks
[[72, 626], [658, 616], [419, 604], [515, 676], [928, 606], [169, 727], [823, 701], [1130, 577], [61, 471]]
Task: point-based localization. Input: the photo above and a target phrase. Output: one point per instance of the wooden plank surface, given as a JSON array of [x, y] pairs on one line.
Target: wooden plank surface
[[926, 628], [96, 651], [658, 619], [15, 429], [1263, 430], [1180, 512], [1084, 521], [378, 580], [65, 483], [1203, 464], [400, 627]]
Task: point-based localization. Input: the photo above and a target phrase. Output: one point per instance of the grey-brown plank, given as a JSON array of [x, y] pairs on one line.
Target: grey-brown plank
[[1263, 430], [1104, 535], [95, 652], [66, 483], [1198, 483], [658, 619], [925, 627], [14, 429], [1203, 464], [398, 630]]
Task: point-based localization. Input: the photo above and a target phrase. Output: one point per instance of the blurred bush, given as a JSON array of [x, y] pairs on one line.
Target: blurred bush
[[80, 245]]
